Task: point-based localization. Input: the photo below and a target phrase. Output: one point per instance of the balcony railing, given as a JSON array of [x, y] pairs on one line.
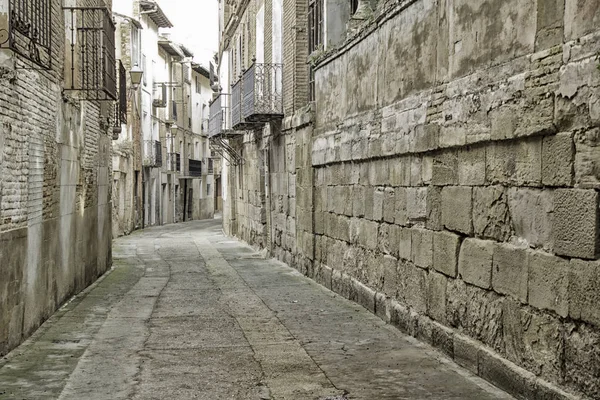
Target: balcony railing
[[262, 93], [194, 168], [217, 122], [173, 162], [152, 155], [236, 104]]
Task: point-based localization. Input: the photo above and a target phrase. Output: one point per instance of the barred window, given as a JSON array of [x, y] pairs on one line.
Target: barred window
[[315, 25], [91, 67], [26, 30], [315, 38]]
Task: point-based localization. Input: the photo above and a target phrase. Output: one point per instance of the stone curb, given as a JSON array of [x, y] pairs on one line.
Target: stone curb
[[466, 352]]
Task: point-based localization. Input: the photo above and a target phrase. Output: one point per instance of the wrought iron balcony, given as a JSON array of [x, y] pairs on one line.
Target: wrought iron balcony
[[218, 122], [152, 155], [173, 162], [262, 93], [194, 168]]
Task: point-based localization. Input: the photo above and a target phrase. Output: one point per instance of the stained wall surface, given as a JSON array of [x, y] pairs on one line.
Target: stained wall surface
[[55, 189]]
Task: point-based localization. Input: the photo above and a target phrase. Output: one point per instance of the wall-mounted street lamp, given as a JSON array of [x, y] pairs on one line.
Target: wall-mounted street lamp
[[136, 75], [174, 128]]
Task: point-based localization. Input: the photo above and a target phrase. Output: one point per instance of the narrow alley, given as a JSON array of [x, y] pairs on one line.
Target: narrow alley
[[187, 313]]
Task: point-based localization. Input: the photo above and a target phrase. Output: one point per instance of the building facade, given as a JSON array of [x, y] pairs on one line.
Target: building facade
[[58, 90], [435, 161], [161, 158]]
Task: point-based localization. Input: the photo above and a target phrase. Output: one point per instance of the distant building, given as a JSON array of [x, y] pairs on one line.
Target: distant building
[[162, 155]]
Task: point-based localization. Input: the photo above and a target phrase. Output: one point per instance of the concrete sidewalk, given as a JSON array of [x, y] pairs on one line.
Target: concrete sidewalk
[[190, 314]]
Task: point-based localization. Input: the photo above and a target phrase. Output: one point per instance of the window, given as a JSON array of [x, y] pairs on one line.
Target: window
[[315, 38], [28, 30], [315, 25], [198, 89], [208, 189], [92, 65], [353, 6], [135, 46], [145, 68]]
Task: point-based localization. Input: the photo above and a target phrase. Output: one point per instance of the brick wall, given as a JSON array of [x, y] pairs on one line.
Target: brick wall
[[54, 193]]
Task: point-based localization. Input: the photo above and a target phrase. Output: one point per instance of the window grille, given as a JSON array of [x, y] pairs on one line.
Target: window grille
[[27, 30], [122, 103], [315, 37], [92, 64]]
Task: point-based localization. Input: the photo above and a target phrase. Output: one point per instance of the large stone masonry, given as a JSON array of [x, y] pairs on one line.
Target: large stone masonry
[[457, 178], [450, 183]]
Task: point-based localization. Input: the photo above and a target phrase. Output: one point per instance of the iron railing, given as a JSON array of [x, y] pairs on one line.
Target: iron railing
[[236, 104], [173, 162], [92, 63], [217, 123], [194, 168], [262, 89], [152, 155], [26, 29]]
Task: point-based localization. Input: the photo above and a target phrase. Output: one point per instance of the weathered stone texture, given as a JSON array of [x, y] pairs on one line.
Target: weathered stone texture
[[582, 359], [533, 341], [510, 271], [577, 223], [475, 262], [446, 246], [456, 208], [584, 291], [548, 283], [531, 212], [491, 215], [557, 160]]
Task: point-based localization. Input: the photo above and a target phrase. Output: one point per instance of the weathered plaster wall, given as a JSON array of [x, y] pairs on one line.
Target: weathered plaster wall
[[457, 177], [55, 191]]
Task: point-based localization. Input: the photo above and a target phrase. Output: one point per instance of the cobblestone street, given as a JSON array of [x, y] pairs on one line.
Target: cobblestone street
[[187, 313]]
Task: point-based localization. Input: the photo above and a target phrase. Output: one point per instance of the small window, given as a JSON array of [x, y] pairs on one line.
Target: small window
[[208, 189], [198, 89], [135, 46], [353, 6], [315, 38], [145, 68]]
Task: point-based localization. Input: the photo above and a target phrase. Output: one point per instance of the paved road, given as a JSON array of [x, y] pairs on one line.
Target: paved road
[[187, 313]]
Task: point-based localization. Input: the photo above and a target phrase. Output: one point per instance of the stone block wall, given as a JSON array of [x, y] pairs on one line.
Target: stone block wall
[[456, 176], [449, 182], [55, 190]]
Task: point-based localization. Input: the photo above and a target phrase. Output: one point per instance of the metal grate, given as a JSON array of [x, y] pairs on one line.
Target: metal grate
[[122, 103], [262, 92], [236, 104], [173, 162], [218, 116], [152, 155], [194, 168], [92, 63], [27, 30]]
